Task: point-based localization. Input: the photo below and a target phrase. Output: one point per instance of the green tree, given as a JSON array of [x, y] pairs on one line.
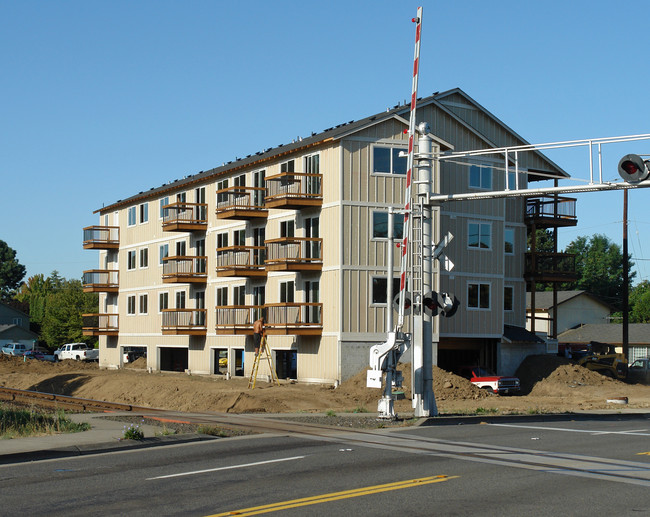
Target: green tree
[[12, 272], [34, 293], [640, 303], [599, 264]]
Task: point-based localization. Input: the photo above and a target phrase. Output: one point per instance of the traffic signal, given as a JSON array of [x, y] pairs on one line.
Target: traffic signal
[[633, 169]]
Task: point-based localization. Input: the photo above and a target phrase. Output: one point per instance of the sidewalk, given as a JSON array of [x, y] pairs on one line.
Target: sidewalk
[[104, 435]]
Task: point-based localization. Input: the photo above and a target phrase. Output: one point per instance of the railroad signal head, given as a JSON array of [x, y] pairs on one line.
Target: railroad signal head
[[431, 303], [448, 304], [407, 302], [633, 169]]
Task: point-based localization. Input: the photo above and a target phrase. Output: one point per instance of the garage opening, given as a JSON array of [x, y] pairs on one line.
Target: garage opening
[[239, 361], [130, 354], [220, 361], [173, 359], [286, 364]]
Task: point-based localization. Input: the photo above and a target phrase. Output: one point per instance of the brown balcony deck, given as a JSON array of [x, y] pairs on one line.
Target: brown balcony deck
[[100, 324], [245, 261], [101, 281], [237, 319], [294, 190], [101, 237], [294, 254], [551, 211], [302, 319], [184, 270], [176, 322], [185, 217], [241, 203], [550, 267]]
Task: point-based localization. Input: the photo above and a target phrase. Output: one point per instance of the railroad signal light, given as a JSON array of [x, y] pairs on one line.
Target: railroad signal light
[[448, 304], [633, 169], [431, 303], [407, 302]]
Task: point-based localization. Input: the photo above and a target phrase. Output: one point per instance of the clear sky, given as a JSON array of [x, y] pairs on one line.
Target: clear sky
[[102, 100]]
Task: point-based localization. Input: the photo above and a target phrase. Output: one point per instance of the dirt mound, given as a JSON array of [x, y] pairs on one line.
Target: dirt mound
[[536, 368], [569, 376], [139, 364]]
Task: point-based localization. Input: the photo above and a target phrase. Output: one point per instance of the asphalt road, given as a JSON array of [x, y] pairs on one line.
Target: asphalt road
[[593, 466]]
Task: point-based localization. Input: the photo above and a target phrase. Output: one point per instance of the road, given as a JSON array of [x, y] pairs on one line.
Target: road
[[538, 466]]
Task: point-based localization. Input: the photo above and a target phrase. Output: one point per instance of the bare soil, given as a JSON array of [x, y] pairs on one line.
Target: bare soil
[[550, 384]]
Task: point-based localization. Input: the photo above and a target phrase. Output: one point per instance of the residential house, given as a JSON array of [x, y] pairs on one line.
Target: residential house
[[14, 327], [610, 334]]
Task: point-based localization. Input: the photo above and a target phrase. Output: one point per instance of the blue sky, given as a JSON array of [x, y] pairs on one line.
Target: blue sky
[[101, 100]]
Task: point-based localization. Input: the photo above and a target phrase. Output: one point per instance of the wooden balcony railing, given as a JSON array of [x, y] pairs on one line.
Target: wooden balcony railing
[[241, 261], [551, 211], [101, 237], [294, 254], [101, 281], [241, 203], [550, 267], [185, 217], [184, 322], [100, 324], [237, 319], [294, 190], [184, 269], [281, 318]]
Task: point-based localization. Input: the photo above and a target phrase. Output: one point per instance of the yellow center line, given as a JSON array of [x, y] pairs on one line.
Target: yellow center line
[[335, 496]]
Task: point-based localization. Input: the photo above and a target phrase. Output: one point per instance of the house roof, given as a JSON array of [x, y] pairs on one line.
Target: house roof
[[544, 299], [399, 112], [611, 333], [14, 331], [514, 334]]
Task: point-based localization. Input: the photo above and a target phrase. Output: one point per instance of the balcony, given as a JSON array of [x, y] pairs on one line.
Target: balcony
[[100, 324], [185, 217], [247, 261], [241, 203], [101, 281], [180, 270], [177, 322], [294, 254], [550, 267], [551, 211], [294, 190], [303, 319], [101, 237], [237, 319]]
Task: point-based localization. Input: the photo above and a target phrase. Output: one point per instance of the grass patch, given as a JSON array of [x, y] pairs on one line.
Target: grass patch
[[330, 412], [19, 423], [486, 411], [212, 430]]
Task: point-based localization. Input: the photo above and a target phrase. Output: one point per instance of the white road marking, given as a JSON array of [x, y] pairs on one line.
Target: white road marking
[[639, 432], [244, 465]]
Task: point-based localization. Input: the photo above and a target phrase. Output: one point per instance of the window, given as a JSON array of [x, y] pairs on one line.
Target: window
[[181, 197], [131, 216], [508, 297], [181, 249], [144, 257], [222, 296], [287, 228], [239, 295], [222, 197], [164, 211], [130, 305], [478, 296], [144, 302], [164, 252], [286, 292], [386, 160], [180, 299], [380, 225], [509, 241], [479, 235], [380, 289], [130, 260], [239, 238], [289, 166], [240, 181], [144, 213], [163, 301], [480, 176]]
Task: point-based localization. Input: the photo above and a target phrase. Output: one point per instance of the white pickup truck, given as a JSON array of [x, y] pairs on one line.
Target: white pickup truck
[[76, 351]]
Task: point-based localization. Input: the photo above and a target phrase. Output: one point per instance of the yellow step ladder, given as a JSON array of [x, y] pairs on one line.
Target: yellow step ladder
[[264, 349]]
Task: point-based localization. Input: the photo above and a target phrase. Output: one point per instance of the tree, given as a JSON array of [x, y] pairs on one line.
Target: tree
[[640, 303], [12, 272], [599, 264], [34, 293]]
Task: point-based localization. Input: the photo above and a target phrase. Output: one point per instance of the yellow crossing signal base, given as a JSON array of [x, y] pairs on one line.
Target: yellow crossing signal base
[[264, 349]]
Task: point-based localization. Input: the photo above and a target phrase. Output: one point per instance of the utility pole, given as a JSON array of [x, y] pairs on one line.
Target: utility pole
[[626, 281]]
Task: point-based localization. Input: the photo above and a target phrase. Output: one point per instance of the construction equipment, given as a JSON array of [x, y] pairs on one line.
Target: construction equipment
[[264, 349], [602, 358]]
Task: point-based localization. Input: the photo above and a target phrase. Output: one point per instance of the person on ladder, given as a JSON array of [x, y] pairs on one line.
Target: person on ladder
[[258, 332]]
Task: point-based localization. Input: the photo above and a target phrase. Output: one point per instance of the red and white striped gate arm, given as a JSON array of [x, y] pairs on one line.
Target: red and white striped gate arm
[[409, 171]]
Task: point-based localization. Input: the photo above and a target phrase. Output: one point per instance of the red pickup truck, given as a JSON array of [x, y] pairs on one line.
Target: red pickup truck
[[485, 379]]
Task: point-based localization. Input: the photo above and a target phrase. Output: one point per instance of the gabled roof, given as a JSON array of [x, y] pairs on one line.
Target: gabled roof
[[399, 112], [544, 299], [512, 334], [611, 333]]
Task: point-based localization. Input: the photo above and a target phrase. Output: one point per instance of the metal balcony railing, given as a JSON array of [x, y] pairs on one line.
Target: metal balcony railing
[[241, 203], [100, 281], [294, 189], [294, 253], [100, 324], [552, 210], [184, 269], [185, 216], [101, 237], [550, 266], [241, 261], [237, 319], [184, 321], [294, 318]]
